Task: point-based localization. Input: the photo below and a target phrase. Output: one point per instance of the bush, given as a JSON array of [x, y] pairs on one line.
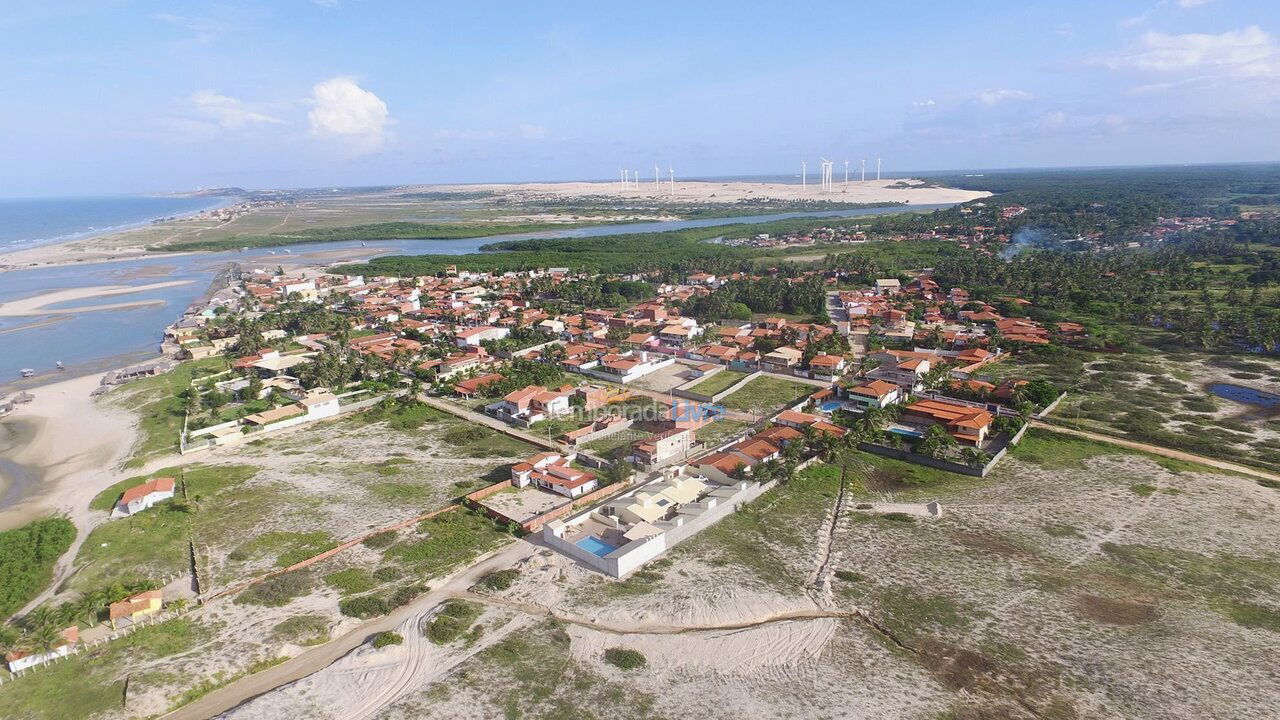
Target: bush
[[500, 580], [386, 573], [898, 517], [453, 619], [386, 638], [27, 556], [350, 581], [381, 540], [850, 576], [624, 658], [405, 595], [278, 590], [466, 434], [363, 606]]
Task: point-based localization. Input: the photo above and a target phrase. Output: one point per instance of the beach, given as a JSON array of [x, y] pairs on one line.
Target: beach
[[64, 446], [38, 306]]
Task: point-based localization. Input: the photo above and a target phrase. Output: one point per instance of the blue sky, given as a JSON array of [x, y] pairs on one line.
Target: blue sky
[[106, 96]]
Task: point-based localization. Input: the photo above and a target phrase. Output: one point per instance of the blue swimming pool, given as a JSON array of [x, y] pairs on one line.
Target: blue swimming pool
[[830, 406], [595, 546]]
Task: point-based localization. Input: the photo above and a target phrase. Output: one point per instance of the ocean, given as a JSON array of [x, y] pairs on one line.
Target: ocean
[[27, 222]]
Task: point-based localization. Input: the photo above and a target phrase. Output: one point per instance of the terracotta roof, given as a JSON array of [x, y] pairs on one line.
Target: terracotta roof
[[160, 484]]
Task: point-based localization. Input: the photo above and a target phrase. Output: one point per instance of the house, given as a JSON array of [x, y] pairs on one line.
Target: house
[[625, 367], [22, 659], [271, 363], [274, 415], [755, 450], [532, 404], [658, 501], [890, 286], [140, 497], [319, 403], [468, 388], [606, 425], [906, 374], [875, 394], [136, 607], [472, 337], [552, 472], [967, 424], [723, 467], [825, 365], [661, 448], [781, 359]]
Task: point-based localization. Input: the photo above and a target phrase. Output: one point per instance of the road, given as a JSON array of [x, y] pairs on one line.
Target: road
[[1162, 451], [320, 657]]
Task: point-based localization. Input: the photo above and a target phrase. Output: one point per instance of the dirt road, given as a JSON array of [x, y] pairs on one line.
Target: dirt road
[[318, 658], [1162, 451]]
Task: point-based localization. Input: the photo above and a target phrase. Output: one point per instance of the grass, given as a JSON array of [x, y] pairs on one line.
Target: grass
[[387, 637], [720, 431], [909, 613], [289, 547], [279, 590], [624, 658], [454, 618], [27, 557], [351, 581], [1057, 451], [452, 538], [757, 539], [160, 410], [766, 393], [719, 382], [302, 630], [153, 543], [92, 683]]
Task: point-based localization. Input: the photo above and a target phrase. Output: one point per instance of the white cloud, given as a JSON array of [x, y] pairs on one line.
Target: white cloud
[[341, 108], [451, 134], [1246, 53], [998, 95], [924, 103], [1193, 3], [203, 30], [228, 112]]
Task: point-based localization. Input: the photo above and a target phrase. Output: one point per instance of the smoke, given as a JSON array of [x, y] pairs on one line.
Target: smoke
[[1028, 237]]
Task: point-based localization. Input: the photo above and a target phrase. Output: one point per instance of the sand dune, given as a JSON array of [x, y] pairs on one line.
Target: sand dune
[[38, 304]]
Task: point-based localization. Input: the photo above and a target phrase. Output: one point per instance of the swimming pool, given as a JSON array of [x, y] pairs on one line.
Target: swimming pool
[[595, 546], [830, 406]]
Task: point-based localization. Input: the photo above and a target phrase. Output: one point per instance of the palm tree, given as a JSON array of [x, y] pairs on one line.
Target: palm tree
[[40, 617], [45, 638], [10, 639]]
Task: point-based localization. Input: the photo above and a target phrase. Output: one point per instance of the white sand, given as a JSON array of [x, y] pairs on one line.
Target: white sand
[[706, 192], [38, 304]]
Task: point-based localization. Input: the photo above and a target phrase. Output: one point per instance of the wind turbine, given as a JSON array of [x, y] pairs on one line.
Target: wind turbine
[[672, 172], [846, 173], [804, 175], [657, 174], [623, 174], [864, 169], [877, 169]]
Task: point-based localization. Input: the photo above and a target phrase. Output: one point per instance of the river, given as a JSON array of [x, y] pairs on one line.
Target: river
[[103, 339]]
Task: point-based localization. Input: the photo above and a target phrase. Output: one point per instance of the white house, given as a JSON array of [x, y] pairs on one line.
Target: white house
[[553, 472], [320, 403], [140, 497], [475, 335]]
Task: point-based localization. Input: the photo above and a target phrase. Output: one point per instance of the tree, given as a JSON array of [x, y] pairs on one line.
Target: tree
[[937, 442], [44, 638]]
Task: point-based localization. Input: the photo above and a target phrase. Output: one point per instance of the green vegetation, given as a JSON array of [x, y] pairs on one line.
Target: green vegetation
[[499, 580], [160, 406], [91, 684], [719, 382], [351, 581], [364, 606], [403, 416], [911, 614], [305, 630], [1058, 451], [290, 548], [387, 637], [452, 538], [278, 590], [374, 231], [454, 618], [766, 393], [1143, 489], [27, 557], [624, 658], [154, 543]]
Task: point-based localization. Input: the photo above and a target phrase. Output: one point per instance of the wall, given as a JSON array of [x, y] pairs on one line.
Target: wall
[[683, 392], [472, 500]]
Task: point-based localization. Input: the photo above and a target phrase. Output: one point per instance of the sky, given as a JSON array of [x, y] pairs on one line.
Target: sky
[[116, 96]]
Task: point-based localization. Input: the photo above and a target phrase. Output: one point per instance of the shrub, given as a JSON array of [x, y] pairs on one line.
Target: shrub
[[624, 658], [406, 594], [500, 580], [27, 556], [386, 638], [466, 434], [386, 573], [381, 540], [363, 606], [453, 619], [350, 581], [277, 590], [898, 517], [850, 576]]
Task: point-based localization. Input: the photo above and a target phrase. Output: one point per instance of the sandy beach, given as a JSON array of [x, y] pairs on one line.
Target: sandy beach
[[66, 445], [37, 305]]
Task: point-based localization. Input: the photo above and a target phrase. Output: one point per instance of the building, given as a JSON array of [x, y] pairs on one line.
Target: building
[[140, 497], [552, 472], [23, 659], [969, 425], [319, 403], [532, 404], [472, 337], [136, 607], [661, 448], [781, 360], [875, 394], [658, 501], [824, 365]]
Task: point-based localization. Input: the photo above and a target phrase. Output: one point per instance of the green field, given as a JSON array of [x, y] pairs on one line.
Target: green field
[[719, 382], [766, 393]]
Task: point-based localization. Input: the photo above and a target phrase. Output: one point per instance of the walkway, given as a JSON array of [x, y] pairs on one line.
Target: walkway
[[481, 418], [1157, 450]]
